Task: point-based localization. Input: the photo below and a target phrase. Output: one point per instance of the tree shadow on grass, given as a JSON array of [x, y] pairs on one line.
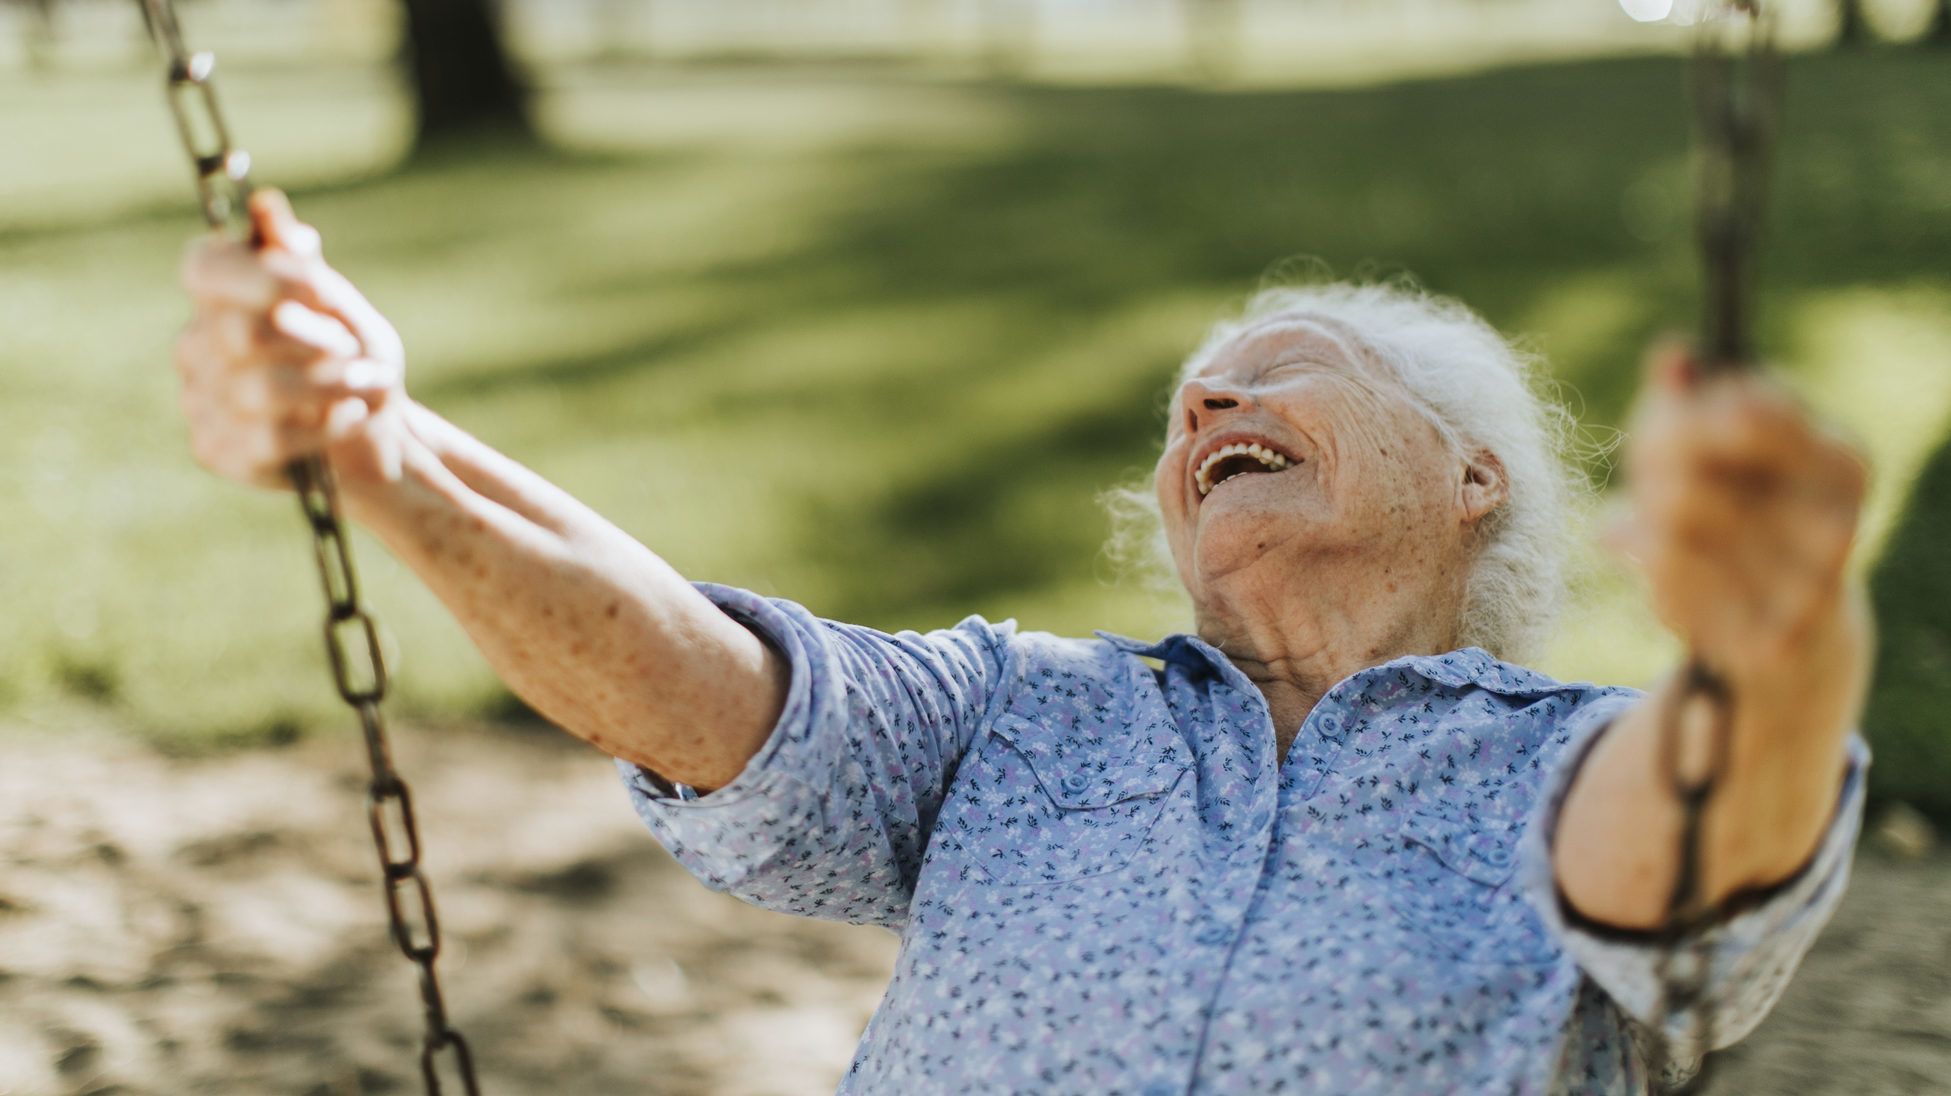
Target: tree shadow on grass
[[956, 537], [1501, 188], [1546, 196], [1911, 591]]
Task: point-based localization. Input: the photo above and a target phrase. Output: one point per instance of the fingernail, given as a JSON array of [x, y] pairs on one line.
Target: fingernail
[[342, 416], [364, 374]]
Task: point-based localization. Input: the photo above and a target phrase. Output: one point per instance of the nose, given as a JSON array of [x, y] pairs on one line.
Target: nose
[[1202, 402]]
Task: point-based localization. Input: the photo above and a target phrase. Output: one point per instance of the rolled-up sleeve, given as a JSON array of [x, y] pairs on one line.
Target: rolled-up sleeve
[[831, 817], [1750, 952]]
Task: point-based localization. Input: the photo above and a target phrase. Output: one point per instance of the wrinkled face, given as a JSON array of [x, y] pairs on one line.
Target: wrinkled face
[[1289, 446]]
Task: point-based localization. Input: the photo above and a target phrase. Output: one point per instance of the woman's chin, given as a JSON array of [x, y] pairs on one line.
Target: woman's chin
[[1225, 549]]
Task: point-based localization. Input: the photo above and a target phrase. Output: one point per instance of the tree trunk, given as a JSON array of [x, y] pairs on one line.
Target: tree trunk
[[41, 36], [1009, 36], [1212, 30], [919, 19], [464, 83], [1852, 29], [620, 29]]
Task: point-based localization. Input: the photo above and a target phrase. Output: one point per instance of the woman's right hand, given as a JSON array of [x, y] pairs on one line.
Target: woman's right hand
[[285, 360]]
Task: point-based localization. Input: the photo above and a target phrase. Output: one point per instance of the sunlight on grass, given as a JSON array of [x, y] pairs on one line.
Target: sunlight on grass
[[1871, 361], [874, 341], [750, 108], [1609, 633], [1879, 363], [303, 123], [1593, 315]]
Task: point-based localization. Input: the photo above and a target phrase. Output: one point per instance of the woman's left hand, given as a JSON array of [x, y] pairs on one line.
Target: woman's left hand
[[1743, 509]]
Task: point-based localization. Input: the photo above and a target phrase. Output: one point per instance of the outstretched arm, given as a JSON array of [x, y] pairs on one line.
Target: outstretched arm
[[286, 359], [1743, 514], [578, 618]]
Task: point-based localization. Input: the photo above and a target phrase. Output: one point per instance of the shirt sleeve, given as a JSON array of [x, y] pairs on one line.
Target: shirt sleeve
[[1749, 953], [830, 818]]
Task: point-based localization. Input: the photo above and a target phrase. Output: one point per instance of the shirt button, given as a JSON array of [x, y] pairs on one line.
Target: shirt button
[[1076, 782], [1213, 935]]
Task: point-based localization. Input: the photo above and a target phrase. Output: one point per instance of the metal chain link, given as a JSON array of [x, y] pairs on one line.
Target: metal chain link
[[1737, 103], [1737, 99], [352, 641]]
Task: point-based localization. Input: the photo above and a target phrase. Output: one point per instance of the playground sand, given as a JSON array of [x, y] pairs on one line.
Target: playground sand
[[214, 925]]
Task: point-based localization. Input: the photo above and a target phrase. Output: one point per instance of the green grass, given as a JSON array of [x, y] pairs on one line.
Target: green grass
[[874, 340], [1912, 594]]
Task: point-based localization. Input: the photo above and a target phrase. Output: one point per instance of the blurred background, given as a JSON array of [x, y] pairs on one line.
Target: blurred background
[[860, 302]]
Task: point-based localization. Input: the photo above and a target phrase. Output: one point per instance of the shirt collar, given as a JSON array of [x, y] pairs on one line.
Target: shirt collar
[[1465, 666]]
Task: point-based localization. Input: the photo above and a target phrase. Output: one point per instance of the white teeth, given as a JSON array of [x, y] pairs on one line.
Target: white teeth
[[1274, 462]]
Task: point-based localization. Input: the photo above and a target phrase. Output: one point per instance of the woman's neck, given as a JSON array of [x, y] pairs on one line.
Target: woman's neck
[[1296, 645]]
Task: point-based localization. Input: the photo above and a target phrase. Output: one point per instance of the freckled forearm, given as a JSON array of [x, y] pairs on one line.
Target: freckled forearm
[[1615, 850], [579, 619]]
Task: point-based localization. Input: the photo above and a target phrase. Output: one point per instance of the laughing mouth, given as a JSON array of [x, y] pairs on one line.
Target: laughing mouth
[[1237, 459]]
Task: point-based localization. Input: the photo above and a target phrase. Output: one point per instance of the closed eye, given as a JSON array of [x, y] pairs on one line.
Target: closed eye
[[1286, 369]]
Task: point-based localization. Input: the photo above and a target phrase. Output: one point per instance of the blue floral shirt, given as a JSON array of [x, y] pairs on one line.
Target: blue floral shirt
[[1105, 882]]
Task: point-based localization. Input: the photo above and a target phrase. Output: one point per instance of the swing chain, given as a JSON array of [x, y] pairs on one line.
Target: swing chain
[[223, 172], [1737, 96], [358, 662], [352, 638], [1737, 102]]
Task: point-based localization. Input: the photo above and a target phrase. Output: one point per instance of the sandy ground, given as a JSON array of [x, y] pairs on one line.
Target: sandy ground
[[214, 926]]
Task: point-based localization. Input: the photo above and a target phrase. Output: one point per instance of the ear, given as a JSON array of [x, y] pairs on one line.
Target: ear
[[1484, 487]]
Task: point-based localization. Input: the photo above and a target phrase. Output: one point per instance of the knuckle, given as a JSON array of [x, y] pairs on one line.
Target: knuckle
[[329, 375], [286, 314], [304, 239]]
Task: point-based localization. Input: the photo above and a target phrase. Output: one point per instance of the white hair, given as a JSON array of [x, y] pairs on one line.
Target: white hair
[[1482, 394]]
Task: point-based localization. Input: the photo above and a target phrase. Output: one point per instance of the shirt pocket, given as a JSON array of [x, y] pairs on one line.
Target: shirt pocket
[[1451, 882], [1041, 805]]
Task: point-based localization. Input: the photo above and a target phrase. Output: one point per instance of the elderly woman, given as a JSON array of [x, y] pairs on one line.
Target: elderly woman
[[1335, 840]]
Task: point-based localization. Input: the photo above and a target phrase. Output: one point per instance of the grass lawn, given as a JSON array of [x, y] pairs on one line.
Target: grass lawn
[[870, 339]]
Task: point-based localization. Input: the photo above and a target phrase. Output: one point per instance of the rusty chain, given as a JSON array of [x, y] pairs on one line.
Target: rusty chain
[[1737, 103], [352, 640]]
